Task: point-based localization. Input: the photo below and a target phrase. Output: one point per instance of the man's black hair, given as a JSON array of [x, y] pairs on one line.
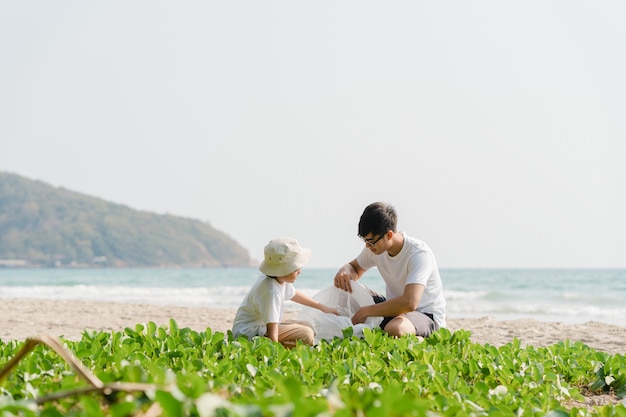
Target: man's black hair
[[377, 219]]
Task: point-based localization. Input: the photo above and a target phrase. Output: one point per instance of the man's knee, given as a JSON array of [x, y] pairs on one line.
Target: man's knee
[[399, 327]]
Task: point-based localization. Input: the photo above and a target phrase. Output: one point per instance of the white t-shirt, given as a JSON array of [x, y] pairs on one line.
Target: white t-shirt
[[263, 304], [415, 264]]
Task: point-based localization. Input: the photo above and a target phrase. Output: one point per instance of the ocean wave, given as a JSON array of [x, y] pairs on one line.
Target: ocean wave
[[218, 297], [458, 296], [568, 313]]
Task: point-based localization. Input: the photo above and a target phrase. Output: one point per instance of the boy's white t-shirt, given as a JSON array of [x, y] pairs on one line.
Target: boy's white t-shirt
[[263, 304], [415, 264]]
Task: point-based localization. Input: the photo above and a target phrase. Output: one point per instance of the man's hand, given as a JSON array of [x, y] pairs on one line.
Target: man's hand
[[360, 316], [344, 276]]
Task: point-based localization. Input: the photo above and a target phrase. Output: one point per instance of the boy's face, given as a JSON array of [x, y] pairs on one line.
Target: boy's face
[[291, 278]]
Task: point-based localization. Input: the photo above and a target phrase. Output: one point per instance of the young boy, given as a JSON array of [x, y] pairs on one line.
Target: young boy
[[261, 311]]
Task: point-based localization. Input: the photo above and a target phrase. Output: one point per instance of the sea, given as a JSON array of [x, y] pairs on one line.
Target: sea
[[549, 295]]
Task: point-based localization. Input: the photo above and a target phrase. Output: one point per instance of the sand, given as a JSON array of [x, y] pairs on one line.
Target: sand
[[21, 318]]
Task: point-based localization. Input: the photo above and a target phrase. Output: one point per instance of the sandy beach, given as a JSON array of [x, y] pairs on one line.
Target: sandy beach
[[22, 318]]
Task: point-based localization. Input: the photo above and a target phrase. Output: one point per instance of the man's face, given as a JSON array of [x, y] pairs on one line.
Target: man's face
[[375, 243]]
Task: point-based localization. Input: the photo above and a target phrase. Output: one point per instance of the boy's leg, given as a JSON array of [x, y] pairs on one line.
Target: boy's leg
[[292, 331]]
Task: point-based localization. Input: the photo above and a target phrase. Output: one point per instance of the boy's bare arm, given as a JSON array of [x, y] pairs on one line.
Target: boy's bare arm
[[304, 299]]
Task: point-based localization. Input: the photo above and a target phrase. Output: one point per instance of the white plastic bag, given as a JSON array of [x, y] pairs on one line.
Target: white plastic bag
[[327, 325]]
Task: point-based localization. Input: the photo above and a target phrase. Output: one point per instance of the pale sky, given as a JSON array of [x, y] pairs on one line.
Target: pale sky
[[496, 128]]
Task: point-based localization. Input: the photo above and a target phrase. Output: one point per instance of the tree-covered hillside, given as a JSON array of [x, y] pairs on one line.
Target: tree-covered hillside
[[49, 226]]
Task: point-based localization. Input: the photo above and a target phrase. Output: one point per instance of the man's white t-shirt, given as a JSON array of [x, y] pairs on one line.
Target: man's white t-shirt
[[263, 304], [415, 264]]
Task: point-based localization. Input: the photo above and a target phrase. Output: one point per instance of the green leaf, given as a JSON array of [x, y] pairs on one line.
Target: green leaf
[[91, 406], [123, 409], [152, 327], [173, 328], [170, 405]]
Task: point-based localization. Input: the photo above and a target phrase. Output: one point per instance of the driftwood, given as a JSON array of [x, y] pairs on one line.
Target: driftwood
[[95, 385]]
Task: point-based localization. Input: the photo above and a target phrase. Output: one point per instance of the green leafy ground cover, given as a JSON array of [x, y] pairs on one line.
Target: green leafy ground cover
[[209, 373]]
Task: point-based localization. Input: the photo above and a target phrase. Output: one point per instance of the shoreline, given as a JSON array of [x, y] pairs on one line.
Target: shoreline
[[23, 318]]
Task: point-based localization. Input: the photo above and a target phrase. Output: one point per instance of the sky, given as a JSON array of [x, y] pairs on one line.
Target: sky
[[496, 129]]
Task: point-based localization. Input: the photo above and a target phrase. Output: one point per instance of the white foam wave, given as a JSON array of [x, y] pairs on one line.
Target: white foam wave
[[570, 313], [218, 297], [457, 296]]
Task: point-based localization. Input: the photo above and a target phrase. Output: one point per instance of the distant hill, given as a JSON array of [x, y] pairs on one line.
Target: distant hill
[[42, 225]]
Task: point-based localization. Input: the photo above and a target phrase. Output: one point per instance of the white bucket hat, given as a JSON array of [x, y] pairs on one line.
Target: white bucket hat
[[283, 256]]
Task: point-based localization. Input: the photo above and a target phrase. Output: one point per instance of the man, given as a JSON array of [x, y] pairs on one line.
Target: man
[[414, 302]]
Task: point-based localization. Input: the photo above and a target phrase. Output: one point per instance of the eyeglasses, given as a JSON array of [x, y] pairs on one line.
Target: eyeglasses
[[370, 241]]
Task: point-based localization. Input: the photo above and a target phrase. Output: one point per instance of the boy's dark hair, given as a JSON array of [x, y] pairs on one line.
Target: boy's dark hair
[[377, 219]]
